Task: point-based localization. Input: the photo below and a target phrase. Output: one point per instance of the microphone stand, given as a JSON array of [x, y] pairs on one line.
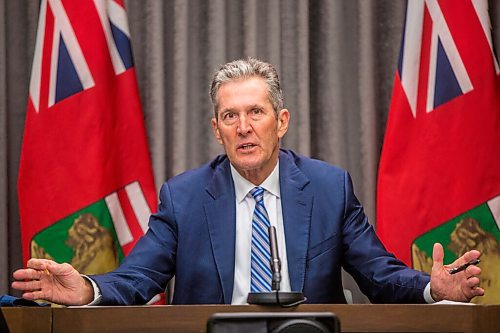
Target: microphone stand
[[275, 297]]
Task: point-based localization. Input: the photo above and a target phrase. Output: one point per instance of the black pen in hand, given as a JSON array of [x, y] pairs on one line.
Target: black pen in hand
[[464, 266]]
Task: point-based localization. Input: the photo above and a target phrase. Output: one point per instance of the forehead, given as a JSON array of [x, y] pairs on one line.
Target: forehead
[[241, 93]]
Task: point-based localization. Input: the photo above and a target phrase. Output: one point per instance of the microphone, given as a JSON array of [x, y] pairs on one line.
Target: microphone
[[275, 260], [275, 297]]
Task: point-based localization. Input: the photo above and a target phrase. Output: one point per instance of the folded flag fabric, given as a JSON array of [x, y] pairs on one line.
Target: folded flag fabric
[[9, 301]]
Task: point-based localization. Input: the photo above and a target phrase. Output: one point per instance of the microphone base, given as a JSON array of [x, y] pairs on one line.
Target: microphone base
[[269, 298]]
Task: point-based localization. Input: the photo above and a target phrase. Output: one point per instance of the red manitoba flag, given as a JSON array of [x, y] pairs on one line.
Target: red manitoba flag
[[439, 174], [86, 186]]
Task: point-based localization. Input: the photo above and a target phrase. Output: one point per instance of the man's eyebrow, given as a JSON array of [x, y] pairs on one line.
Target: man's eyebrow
[[256, 106], [251, 107], [226, 110]]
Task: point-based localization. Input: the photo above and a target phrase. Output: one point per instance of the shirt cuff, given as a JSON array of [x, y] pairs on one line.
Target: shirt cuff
[[427, 294], [97, 291]]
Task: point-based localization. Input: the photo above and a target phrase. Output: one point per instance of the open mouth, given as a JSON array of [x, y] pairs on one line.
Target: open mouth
[[246, 146]]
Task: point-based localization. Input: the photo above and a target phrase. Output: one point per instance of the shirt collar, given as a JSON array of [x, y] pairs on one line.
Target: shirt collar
[[242, 186]]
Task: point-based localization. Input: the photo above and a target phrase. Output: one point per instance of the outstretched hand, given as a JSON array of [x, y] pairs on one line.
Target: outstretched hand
[[50, 281], [462, 286]]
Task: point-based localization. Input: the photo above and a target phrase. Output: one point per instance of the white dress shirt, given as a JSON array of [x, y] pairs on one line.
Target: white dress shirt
[[245, 205]]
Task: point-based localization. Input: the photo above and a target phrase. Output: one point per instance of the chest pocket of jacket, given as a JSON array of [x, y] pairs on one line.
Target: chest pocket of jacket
[[323, 247]]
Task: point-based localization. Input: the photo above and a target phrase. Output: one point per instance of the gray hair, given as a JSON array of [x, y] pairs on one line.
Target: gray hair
[[244, 69]]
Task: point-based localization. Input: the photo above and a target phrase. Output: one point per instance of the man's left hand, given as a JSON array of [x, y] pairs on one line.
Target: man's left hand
[[460, 287]]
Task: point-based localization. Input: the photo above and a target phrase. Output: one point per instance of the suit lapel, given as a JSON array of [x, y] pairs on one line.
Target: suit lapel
[[221, 220], [297, 208]]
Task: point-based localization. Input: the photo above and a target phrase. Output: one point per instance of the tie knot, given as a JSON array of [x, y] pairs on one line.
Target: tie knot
[[257, 193]]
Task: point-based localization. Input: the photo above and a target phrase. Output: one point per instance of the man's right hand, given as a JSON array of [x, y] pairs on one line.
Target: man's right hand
[[58, 283]]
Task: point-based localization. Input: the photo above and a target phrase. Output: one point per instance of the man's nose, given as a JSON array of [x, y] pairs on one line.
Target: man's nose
[[244, 125]]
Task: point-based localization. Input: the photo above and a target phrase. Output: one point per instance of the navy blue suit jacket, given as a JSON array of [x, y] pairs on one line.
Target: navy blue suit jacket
[[193, 237]]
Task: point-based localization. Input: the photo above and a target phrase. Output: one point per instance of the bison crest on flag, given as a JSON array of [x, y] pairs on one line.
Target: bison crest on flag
[[476, 229], [95, 235]]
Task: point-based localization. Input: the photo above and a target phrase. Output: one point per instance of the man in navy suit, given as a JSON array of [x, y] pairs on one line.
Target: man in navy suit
[[202, 233]]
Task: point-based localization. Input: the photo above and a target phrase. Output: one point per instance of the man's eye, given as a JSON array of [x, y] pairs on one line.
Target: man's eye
[[256, 111], [229, 115]]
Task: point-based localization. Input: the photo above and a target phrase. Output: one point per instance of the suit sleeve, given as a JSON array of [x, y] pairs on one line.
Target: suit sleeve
[[380, 276], [146, 271]]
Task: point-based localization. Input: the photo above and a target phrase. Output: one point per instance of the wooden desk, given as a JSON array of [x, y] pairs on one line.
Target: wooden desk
[[353, 318], [21, 319]]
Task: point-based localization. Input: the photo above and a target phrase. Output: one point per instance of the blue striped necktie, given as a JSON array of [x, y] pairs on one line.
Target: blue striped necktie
[[261, 255]]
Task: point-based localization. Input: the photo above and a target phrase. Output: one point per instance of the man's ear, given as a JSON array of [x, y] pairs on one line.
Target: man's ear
[[215, 128], [283, 120]]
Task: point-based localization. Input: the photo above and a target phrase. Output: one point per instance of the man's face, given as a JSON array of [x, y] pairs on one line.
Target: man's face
[[248, 129]]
